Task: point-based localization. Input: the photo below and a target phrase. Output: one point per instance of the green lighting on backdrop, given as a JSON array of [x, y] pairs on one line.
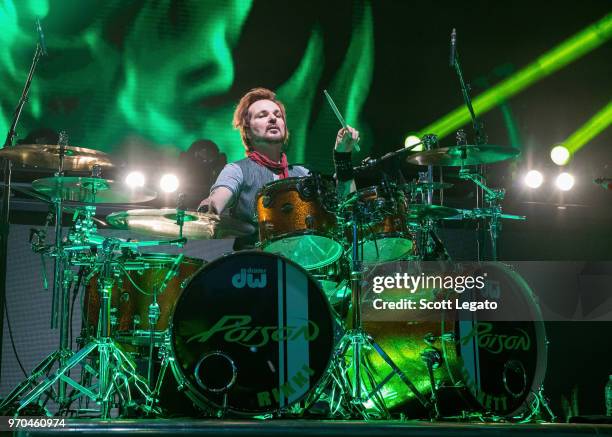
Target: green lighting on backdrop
[[590, 129], [568, 51], [134, 78]]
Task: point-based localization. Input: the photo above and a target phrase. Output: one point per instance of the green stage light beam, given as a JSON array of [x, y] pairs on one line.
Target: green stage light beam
[[568, 51], [589, 130]]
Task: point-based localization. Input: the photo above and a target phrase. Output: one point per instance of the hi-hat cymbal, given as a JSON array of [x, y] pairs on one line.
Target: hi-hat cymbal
[[91, 190], [162, 223], [457, 156], [420, 211], [47, 156]]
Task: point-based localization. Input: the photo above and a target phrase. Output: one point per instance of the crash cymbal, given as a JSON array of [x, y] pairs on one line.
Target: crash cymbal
[[162, 223], [47, 156], [457, 156], [420, 211], [91, 190], [424, 186]]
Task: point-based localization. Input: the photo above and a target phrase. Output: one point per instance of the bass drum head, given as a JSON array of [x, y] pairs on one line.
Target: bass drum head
[[502, 362], [252, 331]]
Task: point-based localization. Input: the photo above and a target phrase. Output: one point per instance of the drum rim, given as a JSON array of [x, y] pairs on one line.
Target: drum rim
[[541, 341], [188, 387], [291, 181], [151, 256], [303, 233]]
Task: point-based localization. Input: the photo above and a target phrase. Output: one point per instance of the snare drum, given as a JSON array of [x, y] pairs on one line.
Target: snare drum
[[297, 220], [253, 332], [133, 293], [384, 233]]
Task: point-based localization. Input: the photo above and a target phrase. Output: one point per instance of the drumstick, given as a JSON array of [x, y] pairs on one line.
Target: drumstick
[[338, 115]]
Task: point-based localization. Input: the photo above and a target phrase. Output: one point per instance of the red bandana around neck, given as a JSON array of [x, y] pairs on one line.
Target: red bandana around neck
[[280, 168]]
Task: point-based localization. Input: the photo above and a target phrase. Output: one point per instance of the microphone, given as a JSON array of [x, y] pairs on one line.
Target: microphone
[[453, 48], [41, 37], [605, 183]]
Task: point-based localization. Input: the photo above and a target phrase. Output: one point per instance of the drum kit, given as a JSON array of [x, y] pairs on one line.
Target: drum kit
[[274, 332]]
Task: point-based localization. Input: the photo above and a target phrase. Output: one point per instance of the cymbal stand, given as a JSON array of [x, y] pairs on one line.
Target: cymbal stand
[[6, 186], [493, 197], [115, 370], [357, 340]]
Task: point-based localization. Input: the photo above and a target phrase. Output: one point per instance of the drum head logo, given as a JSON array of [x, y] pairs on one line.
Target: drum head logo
[[252, 278]]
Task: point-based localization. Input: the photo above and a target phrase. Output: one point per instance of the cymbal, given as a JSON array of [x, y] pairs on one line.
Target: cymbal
[[457, 156], [424, 186], [47, 156], [419, 211], [162, 223], [91, 190]]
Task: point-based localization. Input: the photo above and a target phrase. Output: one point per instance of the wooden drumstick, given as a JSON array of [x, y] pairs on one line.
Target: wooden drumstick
[[338, 115]]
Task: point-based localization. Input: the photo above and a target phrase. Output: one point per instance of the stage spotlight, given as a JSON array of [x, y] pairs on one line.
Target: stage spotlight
[[411, 140], [135, 179], [560, 155], [169, 183], [534, 179], [565, 181]]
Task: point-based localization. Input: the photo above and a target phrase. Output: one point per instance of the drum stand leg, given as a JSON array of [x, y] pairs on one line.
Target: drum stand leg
[[115, 371], [357, 340], [432, 359], [539, 401]]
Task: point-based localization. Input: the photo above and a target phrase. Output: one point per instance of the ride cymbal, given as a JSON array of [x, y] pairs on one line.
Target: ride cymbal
[[458, 156]]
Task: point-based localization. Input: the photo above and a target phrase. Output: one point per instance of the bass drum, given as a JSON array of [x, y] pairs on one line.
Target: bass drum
[[492, 366], [252, 333]]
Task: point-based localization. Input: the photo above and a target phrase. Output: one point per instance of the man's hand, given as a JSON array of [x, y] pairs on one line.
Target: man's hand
[[346, 139], [217, 201], [204, 205]]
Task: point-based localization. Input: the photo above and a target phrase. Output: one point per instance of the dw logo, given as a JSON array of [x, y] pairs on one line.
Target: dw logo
[[248, 278]]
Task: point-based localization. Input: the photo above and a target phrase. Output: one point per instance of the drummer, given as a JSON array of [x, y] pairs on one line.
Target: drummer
[[261, 120]]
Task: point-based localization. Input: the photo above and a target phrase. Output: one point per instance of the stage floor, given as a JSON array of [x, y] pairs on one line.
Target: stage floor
[[298, 428]]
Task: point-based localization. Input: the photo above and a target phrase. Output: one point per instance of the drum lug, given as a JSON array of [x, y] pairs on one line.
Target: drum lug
[[267, 229], [287, 208], [266, 201], [310, 221]]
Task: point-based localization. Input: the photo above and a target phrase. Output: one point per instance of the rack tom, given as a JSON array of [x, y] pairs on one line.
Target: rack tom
[[297, 219], [383, 229]]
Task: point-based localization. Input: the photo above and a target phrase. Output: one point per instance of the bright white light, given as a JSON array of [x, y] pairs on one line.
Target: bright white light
[[565, 181], [413, 139], [533, 179], [169, 183], [135, 179], [560, 155]]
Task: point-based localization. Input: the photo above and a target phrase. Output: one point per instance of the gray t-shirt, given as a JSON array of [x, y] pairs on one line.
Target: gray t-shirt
[[245, 178]]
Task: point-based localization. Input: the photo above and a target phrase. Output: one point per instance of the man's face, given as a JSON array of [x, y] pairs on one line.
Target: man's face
[[266, 123]]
